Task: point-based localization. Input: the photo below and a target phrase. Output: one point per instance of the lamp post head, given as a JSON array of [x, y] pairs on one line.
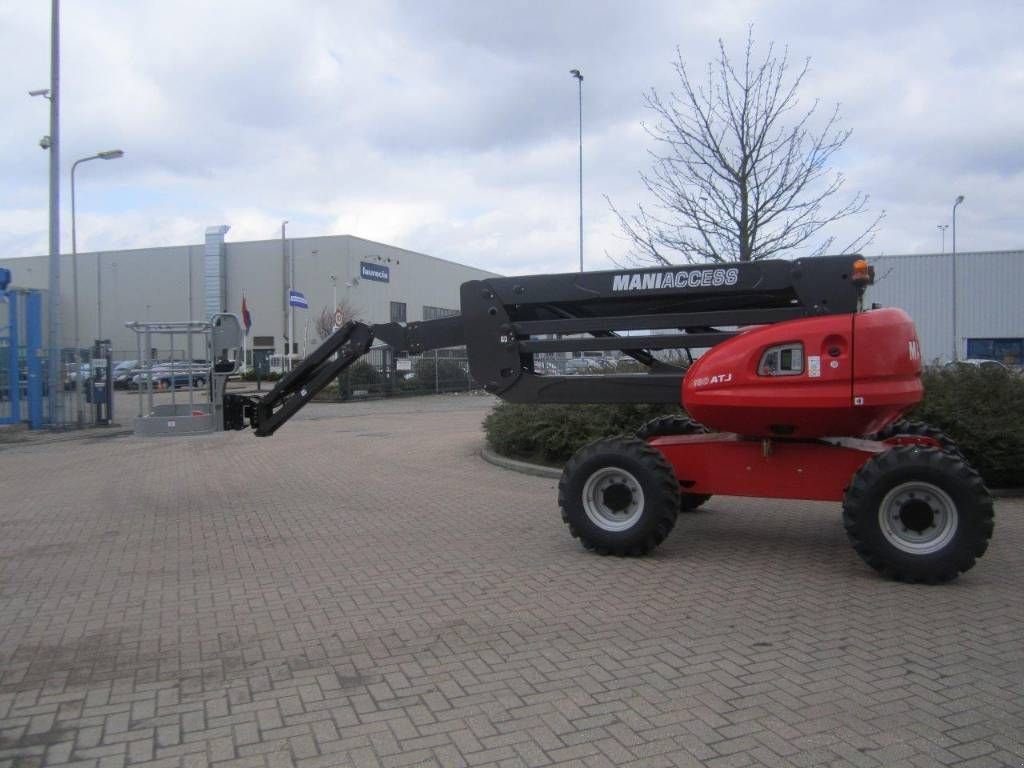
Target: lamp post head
[[959, 199], [110, 154], [44, 92], [577, 74]]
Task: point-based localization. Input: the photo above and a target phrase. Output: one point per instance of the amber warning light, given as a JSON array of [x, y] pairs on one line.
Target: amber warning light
[[863, 273]]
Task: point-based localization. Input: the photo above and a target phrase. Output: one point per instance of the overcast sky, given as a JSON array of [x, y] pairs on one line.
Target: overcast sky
[[451, 127]]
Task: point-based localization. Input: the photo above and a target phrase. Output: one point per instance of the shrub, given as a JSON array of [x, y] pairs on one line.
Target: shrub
[[983, 411], [451, 374], [250, 375], [553, 433], [361, 375]]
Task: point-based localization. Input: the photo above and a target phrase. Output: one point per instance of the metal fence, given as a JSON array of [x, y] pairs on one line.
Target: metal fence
[[22, 366], [380, 373]]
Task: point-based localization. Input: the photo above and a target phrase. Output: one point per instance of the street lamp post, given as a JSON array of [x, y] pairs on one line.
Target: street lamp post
[[110, 154], [956, 339], [579, 77], [943, 228], [287, 291]]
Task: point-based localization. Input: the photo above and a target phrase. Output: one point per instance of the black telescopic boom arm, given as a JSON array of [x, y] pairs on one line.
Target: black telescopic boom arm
[[505, 321]]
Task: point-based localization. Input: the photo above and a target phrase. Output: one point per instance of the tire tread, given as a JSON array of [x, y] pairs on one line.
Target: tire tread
[[978, 526], [667, 488]]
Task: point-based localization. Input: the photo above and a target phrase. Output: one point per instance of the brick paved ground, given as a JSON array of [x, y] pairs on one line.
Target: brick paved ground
[[363, 590]]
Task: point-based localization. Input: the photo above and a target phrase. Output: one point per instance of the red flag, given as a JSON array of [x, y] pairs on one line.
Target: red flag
[[246, 317]]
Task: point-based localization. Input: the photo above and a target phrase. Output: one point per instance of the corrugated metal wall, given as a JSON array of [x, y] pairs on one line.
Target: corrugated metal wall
[[989, 302]]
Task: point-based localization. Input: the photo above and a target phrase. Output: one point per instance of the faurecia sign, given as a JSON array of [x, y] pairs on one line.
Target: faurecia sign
[[377, 272]]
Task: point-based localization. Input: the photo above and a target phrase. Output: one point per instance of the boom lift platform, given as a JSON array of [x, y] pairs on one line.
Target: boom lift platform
[[803, 388]]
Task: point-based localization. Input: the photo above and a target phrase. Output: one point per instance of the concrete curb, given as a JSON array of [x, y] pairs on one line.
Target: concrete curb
[[515, 465], [25, 438]]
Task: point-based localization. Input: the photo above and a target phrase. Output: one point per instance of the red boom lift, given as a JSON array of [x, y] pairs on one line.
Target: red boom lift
[[799, 395]]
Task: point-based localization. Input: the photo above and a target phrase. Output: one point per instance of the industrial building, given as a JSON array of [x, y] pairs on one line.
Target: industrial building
[[982, 317], [379, 282]]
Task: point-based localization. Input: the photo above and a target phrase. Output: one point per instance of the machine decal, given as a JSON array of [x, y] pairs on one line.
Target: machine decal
[[814, 366], [692, 278], [718, 378]]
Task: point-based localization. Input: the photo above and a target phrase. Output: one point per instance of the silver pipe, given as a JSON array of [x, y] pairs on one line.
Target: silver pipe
[[53, 352]]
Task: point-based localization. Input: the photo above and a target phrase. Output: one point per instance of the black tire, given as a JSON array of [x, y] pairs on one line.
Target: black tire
[[918, 514], [918, 429], [676, 425], [601, 508], [670, 425]]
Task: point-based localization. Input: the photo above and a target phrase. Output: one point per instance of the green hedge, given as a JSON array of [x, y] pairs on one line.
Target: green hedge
[[250, 375], [451, 375], [551, 434], [983, 410]]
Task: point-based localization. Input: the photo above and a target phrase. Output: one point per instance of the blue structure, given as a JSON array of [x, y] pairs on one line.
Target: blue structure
[[21, 365]]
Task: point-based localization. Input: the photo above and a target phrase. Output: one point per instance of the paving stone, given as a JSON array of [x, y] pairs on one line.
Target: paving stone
[[363, 590]]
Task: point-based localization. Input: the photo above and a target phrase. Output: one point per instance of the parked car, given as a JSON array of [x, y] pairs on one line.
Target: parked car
[[584, 365], [980, 363], [71, 373], [122, 374], [178, 375]]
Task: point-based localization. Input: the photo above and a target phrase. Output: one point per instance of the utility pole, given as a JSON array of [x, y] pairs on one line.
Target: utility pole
[[956, 339], [579, 76], [53, 340], [285, 289], [99, 294], [291, 287]]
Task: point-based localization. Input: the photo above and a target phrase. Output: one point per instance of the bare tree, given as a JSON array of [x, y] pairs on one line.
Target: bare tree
[[739, 172], [325, 322]]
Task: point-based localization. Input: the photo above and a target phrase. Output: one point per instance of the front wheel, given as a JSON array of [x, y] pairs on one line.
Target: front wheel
[[619, 496], [918, 514]]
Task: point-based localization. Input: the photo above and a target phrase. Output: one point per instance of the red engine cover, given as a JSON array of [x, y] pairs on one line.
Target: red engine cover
[[858, 373]]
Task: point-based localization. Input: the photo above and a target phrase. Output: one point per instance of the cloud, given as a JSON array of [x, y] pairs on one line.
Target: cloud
[[450, 127]]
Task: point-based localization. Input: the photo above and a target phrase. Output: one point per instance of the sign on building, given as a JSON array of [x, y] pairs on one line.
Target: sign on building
[[377, 272]]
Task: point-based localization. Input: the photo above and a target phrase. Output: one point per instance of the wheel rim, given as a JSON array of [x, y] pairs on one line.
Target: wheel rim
[[918, 518], [613, 499]]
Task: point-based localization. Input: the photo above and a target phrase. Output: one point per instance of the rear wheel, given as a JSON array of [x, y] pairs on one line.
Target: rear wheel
[[676, 425], [619, 496], [918, 514]]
